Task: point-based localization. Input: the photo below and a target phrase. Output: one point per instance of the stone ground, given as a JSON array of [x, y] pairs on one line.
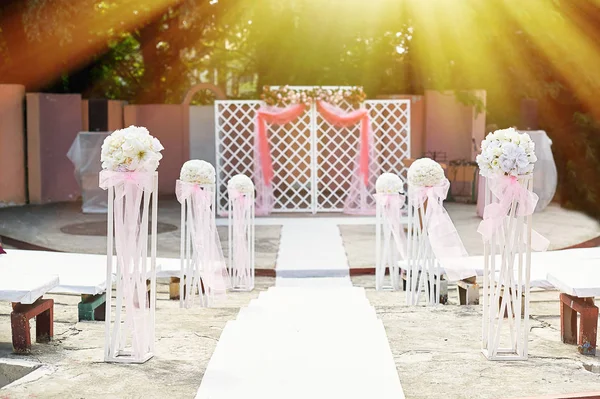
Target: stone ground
[[436, 349], [41, 225]]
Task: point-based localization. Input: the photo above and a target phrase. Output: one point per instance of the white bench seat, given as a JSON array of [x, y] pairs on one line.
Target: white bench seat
[[77, 273], [25, 288]]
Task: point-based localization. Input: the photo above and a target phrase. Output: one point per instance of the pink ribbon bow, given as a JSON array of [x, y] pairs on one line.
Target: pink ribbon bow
[[143, 180], [443, 236], [184, 190], [508, 189]]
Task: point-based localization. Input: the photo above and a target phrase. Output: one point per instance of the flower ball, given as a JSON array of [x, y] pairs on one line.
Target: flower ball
[[425, 172], [241, 183], [198, 172], [389, 183]]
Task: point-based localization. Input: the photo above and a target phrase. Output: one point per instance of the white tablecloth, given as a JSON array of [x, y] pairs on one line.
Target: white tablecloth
[[85, 155], [545, 176]]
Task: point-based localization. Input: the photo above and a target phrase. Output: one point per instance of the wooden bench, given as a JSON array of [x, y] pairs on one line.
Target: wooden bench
[[579, 284], [25, 293], [79, 274]]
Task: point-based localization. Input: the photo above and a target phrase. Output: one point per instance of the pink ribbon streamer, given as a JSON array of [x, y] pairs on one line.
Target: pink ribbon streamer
[[241, 268], [508, 189], [263, 164], [392, 211], [443, 236], [211, 276], [131, 244], [338, 117]]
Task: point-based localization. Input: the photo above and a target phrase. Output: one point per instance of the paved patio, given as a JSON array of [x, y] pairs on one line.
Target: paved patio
[[43, 226], [436, 350]]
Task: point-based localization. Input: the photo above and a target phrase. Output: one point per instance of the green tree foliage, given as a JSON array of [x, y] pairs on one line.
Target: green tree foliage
[[152, 51]]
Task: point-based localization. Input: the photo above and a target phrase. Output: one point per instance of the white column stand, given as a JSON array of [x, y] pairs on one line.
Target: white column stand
[[241, 230], [506, 284], [195, 241], [129, 327], [423, 280], [386, 251]]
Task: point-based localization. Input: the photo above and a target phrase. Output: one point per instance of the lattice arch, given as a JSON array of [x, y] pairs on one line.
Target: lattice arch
[[313, 161]]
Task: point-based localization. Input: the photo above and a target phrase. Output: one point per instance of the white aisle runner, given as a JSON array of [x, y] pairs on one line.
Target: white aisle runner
[[307, 337]]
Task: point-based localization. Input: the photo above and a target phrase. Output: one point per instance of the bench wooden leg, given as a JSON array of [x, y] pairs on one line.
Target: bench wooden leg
[[92, 307], [588, 323], [468, 291], [174, 288], [568, 324], [21, 333], [43, 311], [44, 325]]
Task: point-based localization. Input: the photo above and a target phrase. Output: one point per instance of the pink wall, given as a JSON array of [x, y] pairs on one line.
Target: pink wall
[[170, 124], [53, 121], [451, 127], [12, 145]]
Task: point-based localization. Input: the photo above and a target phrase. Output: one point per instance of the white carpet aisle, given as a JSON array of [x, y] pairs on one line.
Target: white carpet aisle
[[307, 337]]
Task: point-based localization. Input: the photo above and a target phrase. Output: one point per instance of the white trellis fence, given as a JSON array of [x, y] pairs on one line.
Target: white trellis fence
[[313, 161]]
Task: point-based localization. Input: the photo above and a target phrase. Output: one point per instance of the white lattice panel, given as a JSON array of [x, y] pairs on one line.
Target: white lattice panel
[[313, 162], [390, 120], [234, 124], [337, 150]]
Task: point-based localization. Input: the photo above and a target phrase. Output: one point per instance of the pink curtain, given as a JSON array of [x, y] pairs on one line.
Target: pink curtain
[[360, 199], [263, 165]]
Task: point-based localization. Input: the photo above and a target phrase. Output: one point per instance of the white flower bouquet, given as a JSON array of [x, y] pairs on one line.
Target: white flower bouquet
[[506, 152], [131, 149], [197, 172], [389, 183], [241, 183], [425, 172]]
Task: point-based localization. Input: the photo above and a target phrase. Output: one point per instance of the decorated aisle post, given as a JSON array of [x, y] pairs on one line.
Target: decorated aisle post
[[241, 232], [434, 246], [130, 158], [203, 271], [390, 237], [506, 161]]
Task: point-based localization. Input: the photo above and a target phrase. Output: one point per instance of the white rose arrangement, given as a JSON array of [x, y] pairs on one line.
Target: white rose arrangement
[[241, 183], [197, 172], [506, 152], [425, 172], [389, 183], [131, 149]]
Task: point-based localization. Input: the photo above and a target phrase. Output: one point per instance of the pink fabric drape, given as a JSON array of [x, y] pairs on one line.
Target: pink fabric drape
[[508, 189], [241, 267], [210, 270], [338, 117], [132, 192], [443, 236], [392, 212], [360, 198], [263, 165]]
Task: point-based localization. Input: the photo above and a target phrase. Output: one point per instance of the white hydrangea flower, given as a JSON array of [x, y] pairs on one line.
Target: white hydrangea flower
[[131, 149], [425, 172], [198, 172], [389, 183], [241, 183], [506, 152]]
